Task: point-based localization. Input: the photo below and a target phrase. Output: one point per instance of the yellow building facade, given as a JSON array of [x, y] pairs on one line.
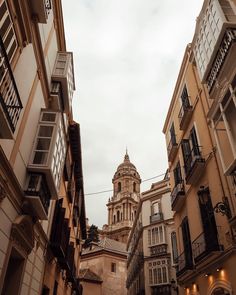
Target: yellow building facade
[[41, 180], [200, 137]]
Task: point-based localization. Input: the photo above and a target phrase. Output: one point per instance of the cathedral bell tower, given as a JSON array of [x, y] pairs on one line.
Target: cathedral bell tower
[[122, 205]]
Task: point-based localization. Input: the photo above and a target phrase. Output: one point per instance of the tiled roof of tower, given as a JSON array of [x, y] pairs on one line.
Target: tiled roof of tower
[[108, 245], [87, 274]]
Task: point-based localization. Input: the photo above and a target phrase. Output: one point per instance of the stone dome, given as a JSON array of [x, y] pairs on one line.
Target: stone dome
[[126, 168]]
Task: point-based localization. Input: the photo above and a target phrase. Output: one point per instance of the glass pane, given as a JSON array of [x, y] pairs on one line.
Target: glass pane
[[40, 158], [155, 275], [164, 274], [45, 131], [43, 144], [49, 117], [159, 275]]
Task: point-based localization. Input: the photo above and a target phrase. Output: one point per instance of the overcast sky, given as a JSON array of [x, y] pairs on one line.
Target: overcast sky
[[127, 54]]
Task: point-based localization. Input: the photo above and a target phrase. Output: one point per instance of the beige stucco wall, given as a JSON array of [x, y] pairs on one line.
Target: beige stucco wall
[[91, 288], [113, 283]]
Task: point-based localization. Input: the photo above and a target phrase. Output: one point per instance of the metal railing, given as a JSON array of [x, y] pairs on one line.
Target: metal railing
[[9, 95], [183, 111], [191, 159], [37, 186], [171, 145], [205, 244], [178, 189]]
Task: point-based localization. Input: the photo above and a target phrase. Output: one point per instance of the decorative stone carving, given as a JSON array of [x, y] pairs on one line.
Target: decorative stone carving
[[22, 233]]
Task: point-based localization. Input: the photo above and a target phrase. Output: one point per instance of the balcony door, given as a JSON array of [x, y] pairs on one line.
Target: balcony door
[[208, 221], [187, 243]]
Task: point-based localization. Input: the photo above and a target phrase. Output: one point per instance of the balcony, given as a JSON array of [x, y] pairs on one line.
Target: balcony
[[194, 166], [156, 217], [185, 266], [178, 197], [63, 73], [206, 248], [158, 250], [184, 116], [38, 195], [10, 103], [41, 8], [172, 149], [226, 49]]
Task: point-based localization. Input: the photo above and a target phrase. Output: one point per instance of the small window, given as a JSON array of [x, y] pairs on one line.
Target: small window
[[119, 186], [134, 187], [113, 267]]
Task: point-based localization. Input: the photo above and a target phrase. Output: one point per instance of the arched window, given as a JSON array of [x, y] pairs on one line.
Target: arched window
[[121, 216], [134, 212], [114, 219], [134, 187], [119, 186], [132, 216], [118, 216]]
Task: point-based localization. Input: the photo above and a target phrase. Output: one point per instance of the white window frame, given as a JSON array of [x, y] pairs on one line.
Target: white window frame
[[156, 272]]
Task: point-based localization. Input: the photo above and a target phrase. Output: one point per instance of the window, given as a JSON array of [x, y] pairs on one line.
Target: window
[[172, 134], [134, 187], [118, 216], [174, 247], [155, 208], [49, 150], [187, 242], [113, 267], [177, 174], [190, 150], [14, 273], [156, 235], [185, 98], [119, 186], [158, 272]]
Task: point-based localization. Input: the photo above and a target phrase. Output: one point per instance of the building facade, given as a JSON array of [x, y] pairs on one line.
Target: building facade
[[151, 265], [107, 260], [199, 131], [40, 153], [122, 206]]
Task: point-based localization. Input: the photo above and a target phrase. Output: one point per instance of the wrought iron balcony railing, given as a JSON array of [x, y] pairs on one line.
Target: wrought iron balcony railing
[[184, 116], [185, 263], [193, 164], [9, 95], [172, 148], [38, 194], [177, 196], [204, 245]]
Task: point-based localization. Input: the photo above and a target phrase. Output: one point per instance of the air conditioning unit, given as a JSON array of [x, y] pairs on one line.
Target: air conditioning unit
[[63, 72], [49, 150]]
